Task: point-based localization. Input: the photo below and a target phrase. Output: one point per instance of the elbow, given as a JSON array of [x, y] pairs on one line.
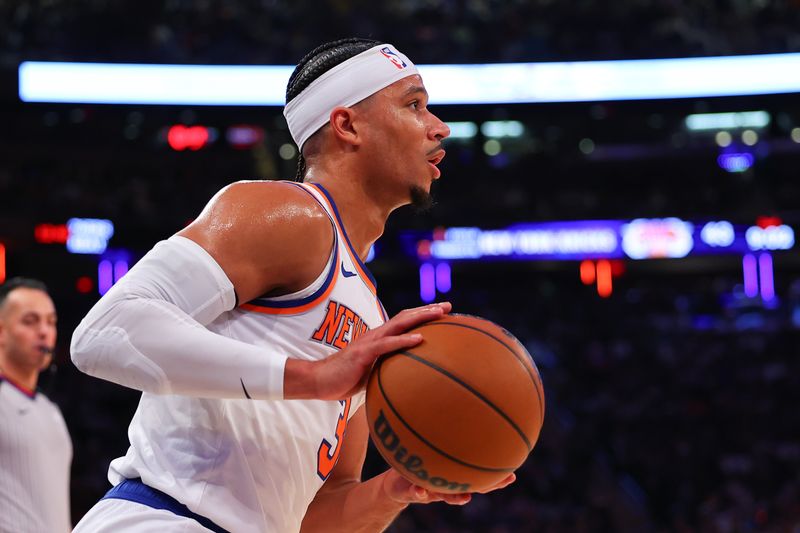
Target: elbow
[[107, 354], [80, 349], [77, 351]]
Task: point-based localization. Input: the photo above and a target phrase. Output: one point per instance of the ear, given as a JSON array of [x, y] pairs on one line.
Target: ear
[[343, 125]]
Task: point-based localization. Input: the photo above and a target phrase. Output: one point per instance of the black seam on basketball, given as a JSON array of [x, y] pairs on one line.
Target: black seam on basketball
[[474, 391], [501, 341], [425, 441]]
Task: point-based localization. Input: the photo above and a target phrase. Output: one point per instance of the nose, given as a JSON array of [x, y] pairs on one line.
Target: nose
[[439, 130], [46, 330]]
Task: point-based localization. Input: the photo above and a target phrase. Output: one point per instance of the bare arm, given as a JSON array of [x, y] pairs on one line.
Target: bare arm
[[252, 239], [348, 505], [344, 501]]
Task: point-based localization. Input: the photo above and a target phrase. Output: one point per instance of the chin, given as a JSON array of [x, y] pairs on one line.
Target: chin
[[421, 198]]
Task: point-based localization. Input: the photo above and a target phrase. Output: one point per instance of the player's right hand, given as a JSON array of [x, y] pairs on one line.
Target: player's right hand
[[345, 373]]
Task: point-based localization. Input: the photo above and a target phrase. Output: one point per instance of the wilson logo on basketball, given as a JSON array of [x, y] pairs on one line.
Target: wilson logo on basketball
[[410, 462], [340, 327]]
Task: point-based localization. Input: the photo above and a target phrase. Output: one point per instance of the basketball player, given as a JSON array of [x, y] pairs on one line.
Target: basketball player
[[252, 331], [35, 447]]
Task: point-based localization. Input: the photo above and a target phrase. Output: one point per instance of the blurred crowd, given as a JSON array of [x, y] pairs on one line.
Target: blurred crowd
[[439, 31]]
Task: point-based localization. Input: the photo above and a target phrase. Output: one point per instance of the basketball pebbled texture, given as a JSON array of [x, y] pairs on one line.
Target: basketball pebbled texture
[[461, 410]]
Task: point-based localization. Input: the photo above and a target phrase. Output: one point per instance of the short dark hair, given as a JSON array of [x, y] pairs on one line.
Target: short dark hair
[[20, 283], [316, 63]]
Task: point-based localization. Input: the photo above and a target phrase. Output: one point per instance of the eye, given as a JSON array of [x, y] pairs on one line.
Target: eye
[[415, 104]]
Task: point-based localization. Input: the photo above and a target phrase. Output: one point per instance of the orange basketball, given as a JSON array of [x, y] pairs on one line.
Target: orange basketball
[[461, 410]]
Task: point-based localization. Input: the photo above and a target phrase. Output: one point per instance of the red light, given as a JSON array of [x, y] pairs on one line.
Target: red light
[[84, 285], [424, 249], [617, 268], [604, 287], [51, 233], [182, 137], [2, 263], [765, 222], [587, 272]]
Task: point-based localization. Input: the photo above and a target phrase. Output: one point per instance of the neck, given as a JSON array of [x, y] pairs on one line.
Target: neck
[[363, 215], [24, 378]]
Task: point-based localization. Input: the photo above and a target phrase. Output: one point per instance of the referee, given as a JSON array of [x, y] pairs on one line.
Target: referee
[[35, 447]]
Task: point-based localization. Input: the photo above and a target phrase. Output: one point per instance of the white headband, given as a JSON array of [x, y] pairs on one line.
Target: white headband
[[345, 84]]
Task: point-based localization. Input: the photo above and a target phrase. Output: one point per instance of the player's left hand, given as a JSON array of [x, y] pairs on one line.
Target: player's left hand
[[401, 490]]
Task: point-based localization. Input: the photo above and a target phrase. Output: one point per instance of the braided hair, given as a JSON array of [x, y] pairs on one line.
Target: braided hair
[[317, 62]]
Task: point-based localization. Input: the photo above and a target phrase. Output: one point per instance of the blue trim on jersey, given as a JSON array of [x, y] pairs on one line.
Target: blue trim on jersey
[[285, 304], [263, 301], [383, 310], [344, 232], [133, 490]]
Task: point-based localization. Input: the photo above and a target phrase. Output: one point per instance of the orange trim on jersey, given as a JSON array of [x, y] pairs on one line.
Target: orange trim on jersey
[[356, 261], [299, 309]]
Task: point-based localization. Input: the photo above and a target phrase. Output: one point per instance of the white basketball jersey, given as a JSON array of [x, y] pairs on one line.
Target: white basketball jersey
[[35, 458], [253, 465]]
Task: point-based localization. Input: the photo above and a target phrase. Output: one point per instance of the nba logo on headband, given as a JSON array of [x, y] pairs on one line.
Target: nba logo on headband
[[311, 109], [393, 57]]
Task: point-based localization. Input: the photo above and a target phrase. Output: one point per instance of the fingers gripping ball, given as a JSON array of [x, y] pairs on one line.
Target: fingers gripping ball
[[459, 411]]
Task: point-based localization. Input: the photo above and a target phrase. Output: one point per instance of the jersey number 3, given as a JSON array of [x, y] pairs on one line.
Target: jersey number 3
[[328, 454]]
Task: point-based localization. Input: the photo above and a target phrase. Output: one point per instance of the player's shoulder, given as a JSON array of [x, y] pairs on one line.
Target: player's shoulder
[[267, 192]]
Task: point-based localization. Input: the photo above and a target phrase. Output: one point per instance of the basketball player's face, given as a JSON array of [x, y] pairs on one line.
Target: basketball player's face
[[27, 329], [404, 143]]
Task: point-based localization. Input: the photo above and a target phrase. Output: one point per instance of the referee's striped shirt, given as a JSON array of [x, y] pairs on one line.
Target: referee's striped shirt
[[35, 458]]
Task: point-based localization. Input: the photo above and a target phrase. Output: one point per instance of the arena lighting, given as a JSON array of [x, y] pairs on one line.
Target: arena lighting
[[770, 238], [113, 265], [105, 276], [604, 282], [587, 272], [718, 233], [502, 128], [243, 136], [727, 121], [750, 271], [462, 130], [443, 279], [766, 277], [580, 81], [88, 235], [658, 238], [427, 283], [51, 233], [180, 137], [735, 162]]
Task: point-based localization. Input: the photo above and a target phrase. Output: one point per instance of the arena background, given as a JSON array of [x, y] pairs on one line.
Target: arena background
[[671, 396]]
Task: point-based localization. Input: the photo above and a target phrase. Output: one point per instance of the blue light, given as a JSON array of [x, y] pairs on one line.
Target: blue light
[[120, 269], [750, 271], [735, 162], [579, 81], [88, 235], [766, 277], [443, 282], [105, 276], [427, 285]]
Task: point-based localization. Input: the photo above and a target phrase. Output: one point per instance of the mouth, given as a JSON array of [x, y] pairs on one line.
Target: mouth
[[437, 156], [46, 350], [434, 159]]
